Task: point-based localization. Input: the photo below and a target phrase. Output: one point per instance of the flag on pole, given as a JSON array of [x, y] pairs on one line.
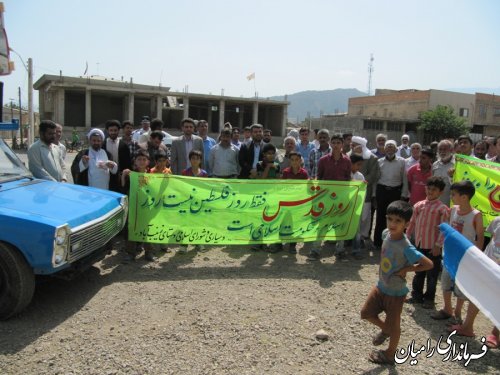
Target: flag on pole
[[476, 275], [86, 67], [251, 76]]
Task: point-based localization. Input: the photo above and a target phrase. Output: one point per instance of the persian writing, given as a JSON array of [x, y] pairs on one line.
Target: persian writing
[[190, 210], [485, 176], [452, 351]]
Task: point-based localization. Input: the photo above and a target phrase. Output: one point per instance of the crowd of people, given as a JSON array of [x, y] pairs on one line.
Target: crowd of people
[[409, 189]]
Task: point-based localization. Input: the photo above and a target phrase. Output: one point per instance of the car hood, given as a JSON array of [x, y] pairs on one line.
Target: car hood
[[58, 203]]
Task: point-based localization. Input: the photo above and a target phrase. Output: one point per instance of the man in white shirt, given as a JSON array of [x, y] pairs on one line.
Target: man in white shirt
[[404, 149], [416, 149], [97, 163], [145, 123], [392, 186], [223, 159], [45, 159]]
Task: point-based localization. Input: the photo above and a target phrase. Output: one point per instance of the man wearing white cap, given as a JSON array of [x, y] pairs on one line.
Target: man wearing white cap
[[95, 164], [391, 186], [145, 130], [404, 149], [371, 172]]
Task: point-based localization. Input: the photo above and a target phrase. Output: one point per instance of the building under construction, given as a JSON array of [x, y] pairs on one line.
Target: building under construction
[[87, 102]]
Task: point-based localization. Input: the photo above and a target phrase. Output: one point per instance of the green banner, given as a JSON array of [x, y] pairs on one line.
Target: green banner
[[189, 210], [485, 175]]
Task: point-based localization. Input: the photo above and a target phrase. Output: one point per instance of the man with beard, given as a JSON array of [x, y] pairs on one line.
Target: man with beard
[[119, 152], [392, 186], [267, 136], [443, 166], [183, 145], [57, 141], [95, 164], [251, 153], [154, 146], [208, 144], [45, 159], [224, 157], [404, 149]]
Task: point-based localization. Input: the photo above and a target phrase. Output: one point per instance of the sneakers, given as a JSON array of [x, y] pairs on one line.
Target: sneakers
[[313, 256]]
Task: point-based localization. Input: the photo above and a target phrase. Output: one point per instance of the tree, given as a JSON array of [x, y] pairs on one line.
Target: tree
[[441, 123]]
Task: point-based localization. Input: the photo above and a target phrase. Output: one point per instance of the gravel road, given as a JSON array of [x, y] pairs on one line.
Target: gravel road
[[225, 311]]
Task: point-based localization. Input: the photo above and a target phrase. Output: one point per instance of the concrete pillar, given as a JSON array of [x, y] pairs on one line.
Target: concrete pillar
[[159, 106], [185, 103], [284, 119], [255, 113], [222, 110], [130, 107], [59, 106], [88, 108], [209, 118], [241, 115]]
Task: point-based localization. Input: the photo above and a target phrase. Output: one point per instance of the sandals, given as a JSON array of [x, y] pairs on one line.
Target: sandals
[[460, 331], [492, 342], [379, 357], [441, 315], [379, 338], [454, 321]]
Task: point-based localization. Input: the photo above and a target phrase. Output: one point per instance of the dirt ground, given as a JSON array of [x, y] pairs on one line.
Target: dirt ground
[[224, 311]]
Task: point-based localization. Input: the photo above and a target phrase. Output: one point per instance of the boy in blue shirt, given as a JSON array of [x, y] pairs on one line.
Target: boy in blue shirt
[[398, 257]]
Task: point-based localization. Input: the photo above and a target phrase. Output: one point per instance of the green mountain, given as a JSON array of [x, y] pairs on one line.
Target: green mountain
[[316, 102]]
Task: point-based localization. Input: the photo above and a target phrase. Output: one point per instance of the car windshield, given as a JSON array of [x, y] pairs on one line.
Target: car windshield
[[10, 165]]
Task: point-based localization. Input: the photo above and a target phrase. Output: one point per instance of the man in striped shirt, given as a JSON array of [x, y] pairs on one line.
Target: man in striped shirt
[[427, 215]]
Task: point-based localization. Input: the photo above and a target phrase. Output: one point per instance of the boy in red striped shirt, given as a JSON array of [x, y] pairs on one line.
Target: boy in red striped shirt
[[424, 224]]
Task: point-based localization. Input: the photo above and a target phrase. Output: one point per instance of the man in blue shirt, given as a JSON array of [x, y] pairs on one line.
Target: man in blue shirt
[[208, 143]]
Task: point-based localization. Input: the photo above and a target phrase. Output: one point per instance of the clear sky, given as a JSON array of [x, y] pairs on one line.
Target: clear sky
[[291, 45]]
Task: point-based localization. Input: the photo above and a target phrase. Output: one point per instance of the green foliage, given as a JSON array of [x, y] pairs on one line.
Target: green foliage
[[441, 122]]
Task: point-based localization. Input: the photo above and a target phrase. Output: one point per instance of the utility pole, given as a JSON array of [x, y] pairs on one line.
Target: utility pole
[[20, 117], [31, 117]]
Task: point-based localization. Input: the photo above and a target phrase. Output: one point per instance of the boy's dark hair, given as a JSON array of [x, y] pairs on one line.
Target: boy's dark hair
[[304, 130], [464, 188], [428, 152], [161, 154], [141, 153], [268, 131], [247, 128], [466, 137], [156, 134], [127, 122], [195, 152], [436, 181], [156, 124], [268, 147], [402, 209], [226, 131], [294, 153], [337, 136], [346, 135], [235, 129], [111, 123], [356, 158]]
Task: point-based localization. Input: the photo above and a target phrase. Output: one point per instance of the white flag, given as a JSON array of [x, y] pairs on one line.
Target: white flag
[[251, 76]]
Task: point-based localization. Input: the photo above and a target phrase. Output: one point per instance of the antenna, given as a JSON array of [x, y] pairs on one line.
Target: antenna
[[370, 72]]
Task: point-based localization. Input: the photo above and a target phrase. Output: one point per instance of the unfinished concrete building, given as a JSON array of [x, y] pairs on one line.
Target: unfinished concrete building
[[87, 102]]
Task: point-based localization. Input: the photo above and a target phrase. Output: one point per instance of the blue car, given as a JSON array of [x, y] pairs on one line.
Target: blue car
[[49, 228]]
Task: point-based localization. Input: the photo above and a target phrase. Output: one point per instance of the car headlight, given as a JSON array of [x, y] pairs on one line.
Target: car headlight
[[61, 243]]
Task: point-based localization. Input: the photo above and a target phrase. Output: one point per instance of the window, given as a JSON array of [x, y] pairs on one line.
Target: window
[[482, 111], [464, 112], [395, 126], [496, 112], [373, 125]]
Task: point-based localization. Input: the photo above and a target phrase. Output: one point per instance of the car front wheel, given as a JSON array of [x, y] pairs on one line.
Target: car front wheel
[[17, 282]]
